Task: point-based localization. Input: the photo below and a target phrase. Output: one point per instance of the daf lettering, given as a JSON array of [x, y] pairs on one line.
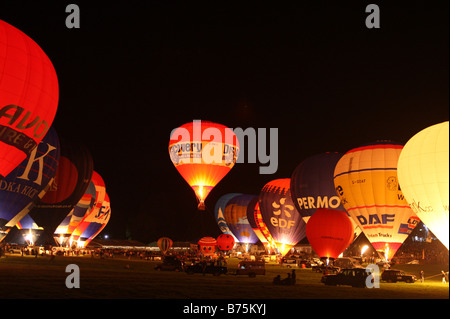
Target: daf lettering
[[374, 219]]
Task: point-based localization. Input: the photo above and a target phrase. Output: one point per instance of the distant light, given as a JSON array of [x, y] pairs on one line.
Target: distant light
[[106, 237], [363, 249]]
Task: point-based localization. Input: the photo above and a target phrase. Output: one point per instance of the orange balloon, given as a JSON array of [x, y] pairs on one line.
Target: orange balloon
[[203, 152]]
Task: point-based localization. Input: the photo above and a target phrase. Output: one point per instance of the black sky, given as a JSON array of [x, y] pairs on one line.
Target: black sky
[[135, 70]]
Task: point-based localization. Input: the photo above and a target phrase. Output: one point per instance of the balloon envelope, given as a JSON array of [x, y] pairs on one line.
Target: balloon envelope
[[329, 232], [366, 181], [203, 152], [76, 215], [164, 244], [28, 182], [225, 242], [96, 222], [28, 96], [253, 207], [207, 245], [269, 242], [283, 221], [312, 185], [236, 217], [72, 178], [423, 174], [95, 213], [219, 211]]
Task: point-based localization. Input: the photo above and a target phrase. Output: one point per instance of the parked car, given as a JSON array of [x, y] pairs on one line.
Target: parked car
[[290, 261], [394, 275], [347, 262], [15, 251], [325, 269], [355, 277], [206, 268], [251, 268], [383, 264], [268, 258], [170, 263], [307, 263]]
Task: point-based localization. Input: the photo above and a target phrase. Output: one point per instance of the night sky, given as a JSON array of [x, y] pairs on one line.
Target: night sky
[[135, 70]]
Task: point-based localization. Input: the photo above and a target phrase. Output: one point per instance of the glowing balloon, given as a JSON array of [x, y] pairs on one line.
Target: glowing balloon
[[225, 242], [329, 232], [164, 244], [283, 221], [72, 178], [366, 181], [252, 211], [203, 153], [28, 182], [96, 222], [219, 210], [96, 211], [28, 96], [267, 241], [28, 232], [312, 184], [423, 173], [70, 223], [236, 218], [207, 246]]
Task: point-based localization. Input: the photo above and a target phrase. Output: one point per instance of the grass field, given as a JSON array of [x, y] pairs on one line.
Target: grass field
[[29, 277]]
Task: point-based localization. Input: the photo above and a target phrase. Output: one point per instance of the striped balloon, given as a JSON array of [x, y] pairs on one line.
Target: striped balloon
[[164, 244]]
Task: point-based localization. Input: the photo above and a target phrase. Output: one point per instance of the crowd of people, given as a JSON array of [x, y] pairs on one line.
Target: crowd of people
[[289, 280]]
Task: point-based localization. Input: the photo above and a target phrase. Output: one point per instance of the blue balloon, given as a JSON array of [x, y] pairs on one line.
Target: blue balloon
[[219, 211], [236, 217], [312, 184], [28, 182]]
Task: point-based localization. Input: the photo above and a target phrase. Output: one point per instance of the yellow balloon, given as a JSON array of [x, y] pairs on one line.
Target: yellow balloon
[[423, 173], [366, 182]]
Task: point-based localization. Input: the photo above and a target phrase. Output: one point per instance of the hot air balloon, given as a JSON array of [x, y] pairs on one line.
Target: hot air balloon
[[28, 96], [26, 232], [423, 170], [95, 223], [329, 232], [236, 218], [28, 182], [269, 242], [284, 222], [100, 194], [207, 246], [366, 181], [253, 207], [203, 152], [219, 210], [312, 186], [225, 242], [72, 178], [164, 244], [64, 231]]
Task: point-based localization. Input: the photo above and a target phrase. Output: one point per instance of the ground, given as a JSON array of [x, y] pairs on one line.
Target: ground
[[110, 278]]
